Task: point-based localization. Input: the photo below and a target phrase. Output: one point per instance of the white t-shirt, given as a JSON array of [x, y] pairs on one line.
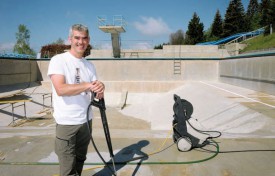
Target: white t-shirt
[[71, 110]]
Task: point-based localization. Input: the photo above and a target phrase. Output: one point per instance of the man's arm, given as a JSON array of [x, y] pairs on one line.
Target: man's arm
[[63, 89]]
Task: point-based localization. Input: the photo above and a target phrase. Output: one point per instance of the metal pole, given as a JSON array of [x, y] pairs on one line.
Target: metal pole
[[12, 113]]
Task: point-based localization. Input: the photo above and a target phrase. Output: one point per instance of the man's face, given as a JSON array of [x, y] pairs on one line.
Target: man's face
[[79, 42]]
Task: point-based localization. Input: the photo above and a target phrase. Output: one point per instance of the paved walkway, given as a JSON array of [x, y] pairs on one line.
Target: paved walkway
[[246, 119]]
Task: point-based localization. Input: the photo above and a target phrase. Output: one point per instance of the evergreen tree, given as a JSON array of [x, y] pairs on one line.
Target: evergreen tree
[[234, 21], [194, 33], [253, 15], [267, 8], [177, 38], [217, 26], [266, 15], [207, 35], [160, 46], [22, 45], [252, 9], [273, 14]]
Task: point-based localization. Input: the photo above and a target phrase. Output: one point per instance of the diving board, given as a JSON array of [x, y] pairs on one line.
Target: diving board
[[112, 29]]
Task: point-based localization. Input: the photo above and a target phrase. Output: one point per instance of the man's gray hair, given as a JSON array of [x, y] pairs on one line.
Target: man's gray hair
[[78, 27]]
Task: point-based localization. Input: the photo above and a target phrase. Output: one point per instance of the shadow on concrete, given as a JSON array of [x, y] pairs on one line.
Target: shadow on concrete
[[10, 114], [126, 155], [19, 86]]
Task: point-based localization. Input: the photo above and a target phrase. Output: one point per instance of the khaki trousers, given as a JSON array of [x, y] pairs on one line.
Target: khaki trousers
[[71, 146]]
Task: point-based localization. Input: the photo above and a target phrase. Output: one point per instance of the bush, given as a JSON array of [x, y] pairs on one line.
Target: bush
[[51, 50]]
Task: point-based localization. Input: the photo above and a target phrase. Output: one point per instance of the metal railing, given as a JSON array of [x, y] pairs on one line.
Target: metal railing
[[118, 20]]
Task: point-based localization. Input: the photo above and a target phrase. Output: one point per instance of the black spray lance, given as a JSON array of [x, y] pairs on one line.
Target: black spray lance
[[101, 105]]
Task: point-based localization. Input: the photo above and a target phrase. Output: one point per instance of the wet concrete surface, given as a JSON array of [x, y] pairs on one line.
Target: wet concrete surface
[[28, 147]]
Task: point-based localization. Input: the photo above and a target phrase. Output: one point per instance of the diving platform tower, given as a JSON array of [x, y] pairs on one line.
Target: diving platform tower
[[115, 28]]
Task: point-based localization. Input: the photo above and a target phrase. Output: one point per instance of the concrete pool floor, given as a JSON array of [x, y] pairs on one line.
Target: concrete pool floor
[[245, 117]]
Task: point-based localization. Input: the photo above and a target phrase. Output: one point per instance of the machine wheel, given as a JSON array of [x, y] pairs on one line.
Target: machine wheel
[[184, 144]]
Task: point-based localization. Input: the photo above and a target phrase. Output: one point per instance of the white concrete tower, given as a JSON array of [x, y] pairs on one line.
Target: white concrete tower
[[115, 28]]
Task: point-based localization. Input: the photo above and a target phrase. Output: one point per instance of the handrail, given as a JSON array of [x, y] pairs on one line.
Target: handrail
[[234, 37]]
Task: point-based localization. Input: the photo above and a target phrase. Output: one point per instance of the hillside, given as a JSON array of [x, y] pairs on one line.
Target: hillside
[[260, 43]]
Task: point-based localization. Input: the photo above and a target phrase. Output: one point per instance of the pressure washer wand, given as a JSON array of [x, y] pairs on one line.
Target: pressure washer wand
[[101, 105]]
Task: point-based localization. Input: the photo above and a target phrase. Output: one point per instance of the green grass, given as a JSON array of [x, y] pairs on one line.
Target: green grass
[[260, 43]]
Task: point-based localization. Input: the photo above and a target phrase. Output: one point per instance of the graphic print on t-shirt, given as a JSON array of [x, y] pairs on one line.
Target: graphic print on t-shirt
[[77, 76]]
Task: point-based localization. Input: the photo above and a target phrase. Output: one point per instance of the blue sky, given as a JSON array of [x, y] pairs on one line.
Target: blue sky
[[149, 22]]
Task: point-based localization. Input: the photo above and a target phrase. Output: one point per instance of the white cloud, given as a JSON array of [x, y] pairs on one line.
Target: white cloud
[[6, 47], [106, 46], [143, 45], [74, 14], [152, 26]]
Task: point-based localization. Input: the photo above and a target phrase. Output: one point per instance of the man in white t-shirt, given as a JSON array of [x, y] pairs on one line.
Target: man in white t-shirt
[[73, 79]]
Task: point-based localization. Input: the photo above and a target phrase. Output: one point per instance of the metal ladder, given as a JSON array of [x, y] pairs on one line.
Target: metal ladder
[[177, 63], [177, 66]]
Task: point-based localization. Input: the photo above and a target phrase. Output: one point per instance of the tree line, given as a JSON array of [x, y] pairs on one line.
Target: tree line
[[22, 45], [236, 20]]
